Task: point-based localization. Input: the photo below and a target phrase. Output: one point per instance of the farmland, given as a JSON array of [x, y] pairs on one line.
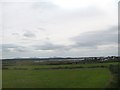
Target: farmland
[[95, 75], [89, 78]]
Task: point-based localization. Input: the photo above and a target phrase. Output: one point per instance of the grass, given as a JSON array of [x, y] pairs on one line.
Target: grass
[[0, 79], [55, 66], [77, 78]]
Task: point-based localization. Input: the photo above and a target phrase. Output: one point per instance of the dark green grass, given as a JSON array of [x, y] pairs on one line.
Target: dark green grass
[[77, 78], [0, 79], [55, 66]]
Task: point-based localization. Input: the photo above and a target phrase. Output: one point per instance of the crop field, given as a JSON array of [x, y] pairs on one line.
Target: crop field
[[85, 77]]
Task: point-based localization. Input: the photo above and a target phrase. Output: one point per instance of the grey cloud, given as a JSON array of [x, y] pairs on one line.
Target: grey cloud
[[50, 46], [89, 11], [29, 34], [44, 5], [42, 29], [14, 50], [8, 47], [96, 38], [16, 34]]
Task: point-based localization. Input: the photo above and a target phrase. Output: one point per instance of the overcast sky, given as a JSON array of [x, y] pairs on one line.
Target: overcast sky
[[67, 28]]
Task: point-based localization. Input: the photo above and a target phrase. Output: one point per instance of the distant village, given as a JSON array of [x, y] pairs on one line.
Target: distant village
[[60, 60]]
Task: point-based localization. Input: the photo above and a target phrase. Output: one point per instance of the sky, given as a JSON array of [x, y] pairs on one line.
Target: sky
[[58, 28]]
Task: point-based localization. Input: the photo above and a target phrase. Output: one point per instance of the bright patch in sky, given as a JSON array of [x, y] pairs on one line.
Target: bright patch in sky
[[71, 4]]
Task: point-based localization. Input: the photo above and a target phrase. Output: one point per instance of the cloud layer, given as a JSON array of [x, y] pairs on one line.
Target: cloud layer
[[46, 28], [96, 38]]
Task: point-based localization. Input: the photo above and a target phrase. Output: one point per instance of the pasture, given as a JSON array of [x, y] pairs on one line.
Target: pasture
[[85, 77], [79, 78]]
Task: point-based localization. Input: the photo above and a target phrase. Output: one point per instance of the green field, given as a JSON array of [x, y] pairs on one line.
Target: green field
[[0, 79], [61, 78], [30, 67], [79, 78]]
